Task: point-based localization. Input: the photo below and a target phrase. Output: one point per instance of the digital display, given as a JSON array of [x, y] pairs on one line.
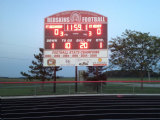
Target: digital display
[[76, 36]]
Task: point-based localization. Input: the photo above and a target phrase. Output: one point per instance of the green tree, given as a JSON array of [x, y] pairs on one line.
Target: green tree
[[135, 51], [38, 71], [91, 75]]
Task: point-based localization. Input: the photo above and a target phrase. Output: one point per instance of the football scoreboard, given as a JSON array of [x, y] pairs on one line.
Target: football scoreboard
[[75, 38]]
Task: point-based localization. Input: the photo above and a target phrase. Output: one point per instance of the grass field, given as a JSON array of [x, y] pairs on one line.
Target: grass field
[[73, 79], [31, 89]]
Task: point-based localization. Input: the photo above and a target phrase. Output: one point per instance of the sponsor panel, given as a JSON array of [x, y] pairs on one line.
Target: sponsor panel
[[100, 62], [84, 62], [67, 62], [50, 62], [81, 58], [75, 62]]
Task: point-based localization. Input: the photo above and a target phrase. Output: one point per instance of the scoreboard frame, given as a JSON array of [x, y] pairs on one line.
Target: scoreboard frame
[[76, 47]]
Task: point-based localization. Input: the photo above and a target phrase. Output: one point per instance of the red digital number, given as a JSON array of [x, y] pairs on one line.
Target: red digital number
[[52, 45], [98, 31], [83, 45], [100, 44], [67, 27], [90, 26], [86, 26], [56, 32], [61, 33], [89, 33], [67, 45], [77, 27]]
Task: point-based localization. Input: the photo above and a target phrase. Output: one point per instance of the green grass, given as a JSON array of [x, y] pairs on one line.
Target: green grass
[[66, 88], [33, 80], [132, 79], [73, 79]]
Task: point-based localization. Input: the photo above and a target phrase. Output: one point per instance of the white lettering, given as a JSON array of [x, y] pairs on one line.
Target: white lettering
[[63, 40], [92, 19], [67, 19], [48, 19], [54, 19], [80, 40], [99, 19], [99, 40], [83, 19], [59, 19], [62, 19], [69, 40], [51, 40], [95, 19], [89, 40], [103, 19], [89, 19]]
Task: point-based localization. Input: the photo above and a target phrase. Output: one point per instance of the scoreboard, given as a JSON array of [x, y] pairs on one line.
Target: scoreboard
[[75, 38]]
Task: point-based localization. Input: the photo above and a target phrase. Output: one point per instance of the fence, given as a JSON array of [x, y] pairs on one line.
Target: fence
[[83, 87]]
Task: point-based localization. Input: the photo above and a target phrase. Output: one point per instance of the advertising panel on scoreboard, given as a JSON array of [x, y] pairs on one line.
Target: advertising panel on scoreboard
[[73, 35]]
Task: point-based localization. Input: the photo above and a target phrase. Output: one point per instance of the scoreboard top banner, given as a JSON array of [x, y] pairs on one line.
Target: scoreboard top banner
[[76, 16]]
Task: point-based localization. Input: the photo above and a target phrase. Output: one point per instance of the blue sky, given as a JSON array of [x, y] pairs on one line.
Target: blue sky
[[22, 32]]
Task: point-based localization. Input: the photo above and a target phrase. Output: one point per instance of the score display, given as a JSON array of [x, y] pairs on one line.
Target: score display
[[76, 36]]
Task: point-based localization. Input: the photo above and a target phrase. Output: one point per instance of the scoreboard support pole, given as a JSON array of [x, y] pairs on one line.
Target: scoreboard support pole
[[54, 88], [97, 77], [76, 79]]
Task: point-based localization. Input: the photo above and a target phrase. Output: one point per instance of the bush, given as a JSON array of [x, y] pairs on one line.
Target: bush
[[96, 86]]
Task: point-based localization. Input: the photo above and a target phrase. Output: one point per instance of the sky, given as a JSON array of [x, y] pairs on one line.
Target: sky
[[22, 26]]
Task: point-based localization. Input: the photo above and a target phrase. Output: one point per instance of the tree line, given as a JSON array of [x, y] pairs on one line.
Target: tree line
[[119, 73], [133, 53]]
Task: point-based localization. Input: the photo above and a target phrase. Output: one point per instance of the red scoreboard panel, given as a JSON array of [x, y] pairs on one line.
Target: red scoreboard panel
[[76, 36], [71, 35]]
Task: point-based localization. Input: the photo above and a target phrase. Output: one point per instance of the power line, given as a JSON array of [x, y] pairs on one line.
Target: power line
[[15, 58], [19, 45], [16, 53]]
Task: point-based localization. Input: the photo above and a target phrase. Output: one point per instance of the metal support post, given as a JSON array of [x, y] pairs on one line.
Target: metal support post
[[75, 79], [149, 76], [35, 89], [101, 87], [97, 77], [54, 89], [133, 87], [69, 87]]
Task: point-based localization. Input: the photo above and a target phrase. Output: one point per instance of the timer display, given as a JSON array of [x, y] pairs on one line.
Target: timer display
[[76, 36]]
